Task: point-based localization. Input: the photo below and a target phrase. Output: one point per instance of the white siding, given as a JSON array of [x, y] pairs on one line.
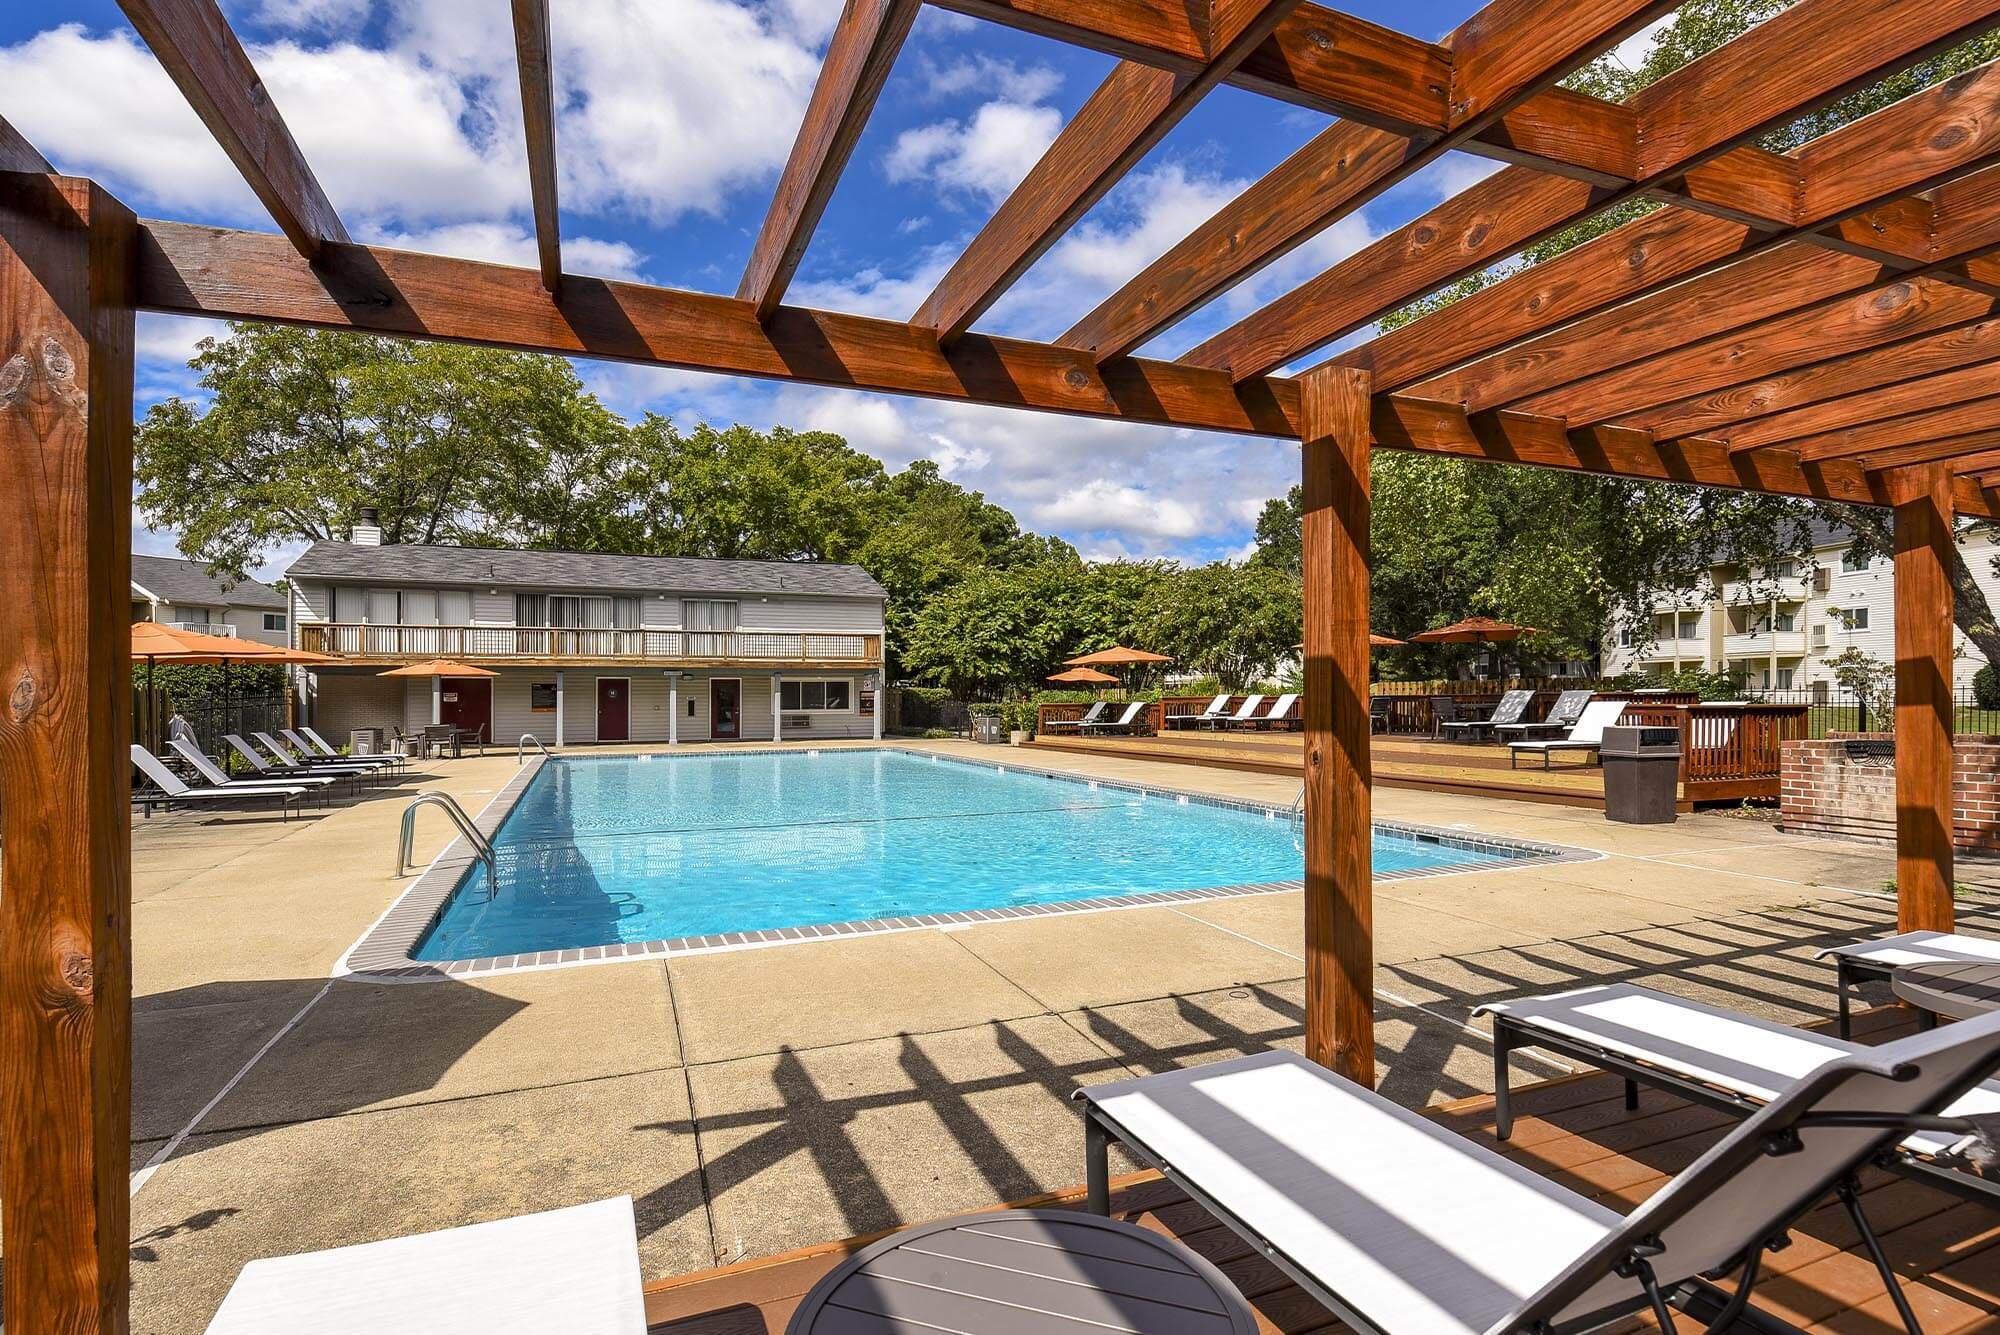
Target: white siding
[[849, 614], [492, 609], [312, 602]]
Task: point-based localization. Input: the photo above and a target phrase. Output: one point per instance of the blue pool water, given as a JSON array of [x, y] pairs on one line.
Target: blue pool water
[[644, 848]]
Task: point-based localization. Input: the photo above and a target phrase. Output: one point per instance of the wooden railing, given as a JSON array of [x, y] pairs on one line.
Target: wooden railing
[[348, 639], [1728, 750]]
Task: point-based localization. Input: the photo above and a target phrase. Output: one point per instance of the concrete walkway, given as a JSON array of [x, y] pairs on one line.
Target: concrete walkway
[[759, 1100]]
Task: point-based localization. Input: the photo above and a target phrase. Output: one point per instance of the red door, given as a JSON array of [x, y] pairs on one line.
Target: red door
[[614, 709], [725, 703], [467, 703]]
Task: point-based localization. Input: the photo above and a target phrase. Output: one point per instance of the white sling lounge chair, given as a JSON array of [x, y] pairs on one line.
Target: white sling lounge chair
[[1244, 713], [279, 773], [1402, 1227], [1215, 709], [170, 790], [1125, 722], [1090, 716], [1587, 735], [1861, 961], [359, 766], [1279, 715], [1512, 705], [1563, 715], [212, 772], [1719, 1058], [314, 748]]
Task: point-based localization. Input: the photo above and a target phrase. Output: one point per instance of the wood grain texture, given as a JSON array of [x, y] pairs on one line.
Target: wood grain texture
[[859, 57], [66, 347], [1845, 324], [1715, 413], [1509, 210], [17, 154], [1962, 453], [1794, 62], [1909, 438], [1925, 637], [249, 275], [1338, 171], [1339, 881], [197, 47], [1915, 394], [1131, 111], [1513, 47], [538, 115], [1917, 143]]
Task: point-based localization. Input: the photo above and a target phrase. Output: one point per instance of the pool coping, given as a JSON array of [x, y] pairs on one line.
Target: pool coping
[[382, 954]]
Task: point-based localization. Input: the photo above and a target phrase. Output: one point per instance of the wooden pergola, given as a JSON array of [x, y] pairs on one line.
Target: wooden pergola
[[1822, 323]]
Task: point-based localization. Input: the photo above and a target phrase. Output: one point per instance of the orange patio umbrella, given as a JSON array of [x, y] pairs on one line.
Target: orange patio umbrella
[[437, 667], [1084, 676], [1116, 655], [159, 643], [1475, 630]]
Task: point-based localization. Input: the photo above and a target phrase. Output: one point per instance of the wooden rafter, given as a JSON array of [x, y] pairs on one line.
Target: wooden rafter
[[1850, 40], [1906, 439], [199, 50], [1131, 111], [17, 154], [858, 59], [1350, 163], [1915, 394], [538, 115]]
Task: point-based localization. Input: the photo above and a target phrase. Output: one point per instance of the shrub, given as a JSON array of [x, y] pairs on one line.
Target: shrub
[[1986, 688]]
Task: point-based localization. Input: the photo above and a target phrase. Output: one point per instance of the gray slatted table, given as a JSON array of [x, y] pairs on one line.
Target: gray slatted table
[[1959, 989], [1024, 1272]]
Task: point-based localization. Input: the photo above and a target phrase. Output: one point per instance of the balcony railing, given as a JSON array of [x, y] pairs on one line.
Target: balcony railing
[[203, 627], [348, 639], [1764, 643]]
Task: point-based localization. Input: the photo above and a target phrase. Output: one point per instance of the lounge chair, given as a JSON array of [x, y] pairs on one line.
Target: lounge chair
[[170, 790], [1215, 709], [1587, 735], [1381, 709], [1444, 713], [1563, 715], [310, 743], [1129, 721], [217, 778], [1090, 716], [274, 773], [1719, 1058], [1512, 705], [1402, 1227], [360, 767], [1244, 713], [1278, 716], [1863, 961]]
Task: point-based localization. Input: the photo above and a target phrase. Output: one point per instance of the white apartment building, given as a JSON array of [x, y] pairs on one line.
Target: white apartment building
[[1777, 629]]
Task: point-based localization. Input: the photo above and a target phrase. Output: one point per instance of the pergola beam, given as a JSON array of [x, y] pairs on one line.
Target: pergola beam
[[199, 50], [1925, 550], [1678, 131], [1917, 394], [538, 116], [858, 60], [17, 154], [1131, 111]]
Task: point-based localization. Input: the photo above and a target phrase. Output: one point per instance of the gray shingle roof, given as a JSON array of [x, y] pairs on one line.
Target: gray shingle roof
[[500, 566], [173, 580]]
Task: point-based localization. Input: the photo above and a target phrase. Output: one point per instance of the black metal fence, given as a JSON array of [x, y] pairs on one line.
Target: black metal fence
[[1833, 710], [920, 713], [213, 717]]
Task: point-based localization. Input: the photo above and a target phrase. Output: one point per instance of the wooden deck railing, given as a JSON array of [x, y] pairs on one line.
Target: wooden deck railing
[[1728, 750], [348, 639]]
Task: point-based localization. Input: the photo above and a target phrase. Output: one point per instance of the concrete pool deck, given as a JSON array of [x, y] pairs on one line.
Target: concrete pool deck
[[757, 1100]]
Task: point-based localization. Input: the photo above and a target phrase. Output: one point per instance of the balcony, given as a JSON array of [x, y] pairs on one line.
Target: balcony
[[1668, 650], [1764, 643], [1758, 593], [203, 627], [542, 646]]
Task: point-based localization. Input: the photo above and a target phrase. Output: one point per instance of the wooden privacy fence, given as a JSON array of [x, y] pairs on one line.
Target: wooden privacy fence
[[1729, 751]]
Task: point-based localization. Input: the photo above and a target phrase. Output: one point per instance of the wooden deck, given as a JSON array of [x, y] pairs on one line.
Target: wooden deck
[[1575, 1130], [1400, 762]]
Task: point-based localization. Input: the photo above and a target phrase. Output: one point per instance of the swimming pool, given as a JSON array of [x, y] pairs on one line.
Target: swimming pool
[[598, 851]]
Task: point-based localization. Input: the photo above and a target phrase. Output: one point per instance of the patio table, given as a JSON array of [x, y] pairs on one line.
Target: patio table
[[1958, 989], [1016, 1272]]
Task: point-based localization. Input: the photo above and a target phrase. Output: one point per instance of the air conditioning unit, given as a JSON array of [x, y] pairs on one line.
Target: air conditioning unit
[[1819, 636], [1822, 579]]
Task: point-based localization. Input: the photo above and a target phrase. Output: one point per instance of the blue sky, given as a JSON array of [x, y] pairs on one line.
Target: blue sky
[[674, 118]]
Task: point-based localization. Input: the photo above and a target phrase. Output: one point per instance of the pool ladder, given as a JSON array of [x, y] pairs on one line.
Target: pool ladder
[[480, 844], [1295, 819], [521, 748]]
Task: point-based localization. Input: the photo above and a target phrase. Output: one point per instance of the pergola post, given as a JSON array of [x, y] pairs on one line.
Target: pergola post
[[1924, 647], [66, 338], [1339, 891]]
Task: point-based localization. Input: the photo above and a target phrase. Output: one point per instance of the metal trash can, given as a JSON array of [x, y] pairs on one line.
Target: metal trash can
[[986, 728], [364, 742], [1642, 773]]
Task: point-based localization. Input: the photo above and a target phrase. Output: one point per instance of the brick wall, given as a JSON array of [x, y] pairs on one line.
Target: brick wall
[[1845, 785]]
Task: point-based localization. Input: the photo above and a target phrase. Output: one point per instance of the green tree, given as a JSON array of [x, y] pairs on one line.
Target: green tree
[[1233, 623]]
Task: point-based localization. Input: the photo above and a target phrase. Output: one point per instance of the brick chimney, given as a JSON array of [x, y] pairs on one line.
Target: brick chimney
[[367, 530]]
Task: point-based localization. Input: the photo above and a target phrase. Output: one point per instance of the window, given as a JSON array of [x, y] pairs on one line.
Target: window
[[1784, 569], [1853, 564], [1624, 637], [385, 607], [454, 607], [700, 614], [1784, 621], [274, 621], [1785, 679], [349, 603], [420, 607], [531, 609], [191, 616], [805, 696], [1853, 618]]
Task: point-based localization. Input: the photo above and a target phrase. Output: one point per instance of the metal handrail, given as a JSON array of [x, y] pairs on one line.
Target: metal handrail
[[1295, 819], [521, 751], [481, 845]]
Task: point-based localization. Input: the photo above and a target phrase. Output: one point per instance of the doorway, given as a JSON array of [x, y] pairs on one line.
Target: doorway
[[725, 709], [614, 709], [467, 704]]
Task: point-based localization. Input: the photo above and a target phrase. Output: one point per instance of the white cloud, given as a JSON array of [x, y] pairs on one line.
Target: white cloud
[[986, 155], [511, 243], [1102, 504], [873, 291], [313, 15], [1632, 52], [999, 78]]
